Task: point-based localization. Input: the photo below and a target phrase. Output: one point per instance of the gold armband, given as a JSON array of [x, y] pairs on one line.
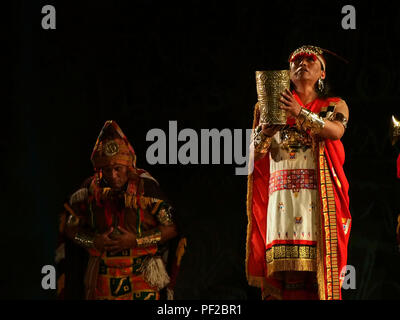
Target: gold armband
[[338, 116], [84, 240], [310, 120], [73, 221], [261, 141], [164, 215], [148, 238]]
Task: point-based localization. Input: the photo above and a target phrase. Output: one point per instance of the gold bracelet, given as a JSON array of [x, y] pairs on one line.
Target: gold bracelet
[[84, 240], [310, 120], [148, 238], [261, 141]]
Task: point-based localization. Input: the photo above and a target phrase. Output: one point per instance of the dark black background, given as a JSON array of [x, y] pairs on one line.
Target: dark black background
[[143, 63]]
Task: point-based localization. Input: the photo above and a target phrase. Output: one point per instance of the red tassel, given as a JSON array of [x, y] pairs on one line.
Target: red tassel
[[110, 210], [140, 208], [108, 213], [398, 167]]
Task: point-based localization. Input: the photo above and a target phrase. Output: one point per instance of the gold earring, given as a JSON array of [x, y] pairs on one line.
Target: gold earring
[[320, 84]]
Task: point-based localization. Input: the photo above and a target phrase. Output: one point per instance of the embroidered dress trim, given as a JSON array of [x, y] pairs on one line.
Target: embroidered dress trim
[[330, 229], [291, 257], [294, 179]]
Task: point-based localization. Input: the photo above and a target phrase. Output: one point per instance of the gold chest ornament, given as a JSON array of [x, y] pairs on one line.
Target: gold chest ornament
[[292, 140]]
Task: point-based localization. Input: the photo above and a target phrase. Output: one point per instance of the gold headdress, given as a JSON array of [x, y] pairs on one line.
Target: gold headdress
[[112, 147], [309, 51], [315, 52]]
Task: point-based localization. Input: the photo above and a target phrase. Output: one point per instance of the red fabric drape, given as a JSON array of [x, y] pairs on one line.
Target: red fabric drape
[[398, 167]]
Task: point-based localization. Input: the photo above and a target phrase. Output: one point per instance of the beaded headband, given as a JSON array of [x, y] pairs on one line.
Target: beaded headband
[[309, 51]]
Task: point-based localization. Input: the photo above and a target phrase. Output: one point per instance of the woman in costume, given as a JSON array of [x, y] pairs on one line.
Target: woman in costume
[[297, 201]]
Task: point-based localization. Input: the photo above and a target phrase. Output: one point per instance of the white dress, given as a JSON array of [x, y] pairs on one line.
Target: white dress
[[291, 218]]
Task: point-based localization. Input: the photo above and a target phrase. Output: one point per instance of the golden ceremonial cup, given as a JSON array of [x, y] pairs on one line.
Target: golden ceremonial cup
[[270, 85], [394, 130]]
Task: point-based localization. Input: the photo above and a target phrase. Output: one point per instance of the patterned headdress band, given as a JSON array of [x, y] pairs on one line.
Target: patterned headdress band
[[309, 51], [112, 147], [313, 51]]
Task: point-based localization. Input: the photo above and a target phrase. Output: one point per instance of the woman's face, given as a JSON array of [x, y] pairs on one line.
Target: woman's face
[[306, 68]]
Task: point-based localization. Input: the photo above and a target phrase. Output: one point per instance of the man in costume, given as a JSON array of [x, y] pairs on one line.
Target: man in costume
[[118, 225], [297, 201]]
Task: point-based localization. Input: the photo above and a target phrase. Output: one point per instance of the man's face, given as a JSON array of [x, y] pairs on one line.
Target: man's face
[[306, 68], [116, 175]]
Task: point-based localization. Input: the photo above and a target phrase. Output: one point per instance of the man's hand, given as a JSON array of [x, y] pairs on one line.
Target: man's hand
[[290, 104], [125, 240], [102, 240]]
